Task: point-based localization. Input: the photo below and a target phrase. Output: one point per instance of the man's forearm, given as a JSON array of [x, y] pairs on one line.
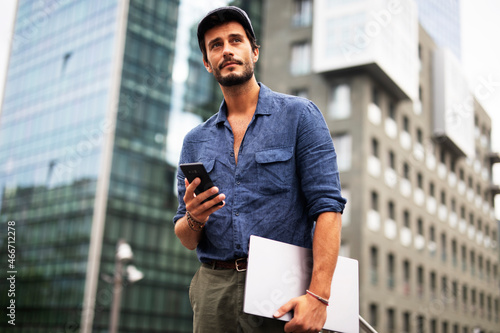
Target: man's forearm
[[188, 237], [326, 244]]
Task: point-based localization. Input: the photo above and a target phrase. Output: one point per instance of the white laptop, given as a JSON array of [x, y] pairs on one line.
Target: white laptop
[[279, 271]]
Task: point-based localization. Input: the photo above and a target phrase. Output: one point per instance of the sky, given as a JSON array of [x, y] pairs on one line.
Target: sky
[[480, 56]]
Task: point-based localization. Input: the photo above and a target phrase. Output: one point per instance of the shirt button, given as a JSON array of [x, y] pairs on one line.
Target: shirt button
[[238, 246], [238, 183], [232, 154], [237, 213]]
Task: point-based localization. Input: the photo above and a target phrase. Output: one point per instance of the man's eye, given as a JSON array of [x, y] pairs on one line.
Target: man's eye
[[214, 45]]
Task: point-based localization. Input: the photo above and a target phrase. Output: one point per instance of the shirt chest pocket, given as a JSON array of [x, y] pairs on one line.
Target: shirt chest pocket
[[275, 170]]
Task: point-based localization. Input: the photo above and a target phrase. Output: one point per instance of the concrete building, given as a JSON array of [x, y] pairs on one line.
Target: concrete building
[[414, 153]]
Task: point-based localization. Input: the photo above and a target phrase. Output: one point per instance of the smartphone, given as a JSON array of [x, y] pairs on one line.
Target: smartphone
[[197, 170]]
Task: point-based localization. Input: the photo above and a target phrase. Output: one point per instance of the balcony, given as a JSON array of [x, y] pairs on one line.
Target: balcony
[[494, 157], [494, 189]]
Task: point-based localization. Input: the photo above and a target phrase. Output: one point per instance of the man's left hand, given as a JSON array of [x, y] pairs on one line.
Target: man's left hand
[[309, 314]]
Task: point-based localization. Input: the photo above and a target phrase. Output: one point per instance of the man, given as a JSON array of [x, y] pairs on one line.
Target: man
[[272, 158]]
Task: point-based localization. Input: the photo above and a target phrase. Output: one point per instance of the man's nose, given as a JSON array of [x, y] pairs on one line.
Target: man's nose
[[228, 49]]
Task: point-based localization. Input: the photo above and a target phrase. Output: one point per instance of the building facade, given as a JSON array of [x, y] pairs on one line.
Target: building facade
[[414, 153], [85, 131]]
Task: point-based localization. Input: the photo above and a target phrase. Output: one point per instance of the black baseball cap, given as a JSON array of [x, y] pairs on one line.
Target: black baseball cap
[[222, 15]]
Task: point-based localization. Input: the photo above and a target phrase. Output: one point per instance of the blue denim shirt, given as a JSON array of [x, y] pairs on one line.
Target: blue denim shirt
[[285, 177]]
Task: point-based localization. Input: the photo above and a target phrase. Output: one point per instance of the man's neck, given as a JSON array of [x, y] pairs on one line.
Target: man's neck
[[242, 99]]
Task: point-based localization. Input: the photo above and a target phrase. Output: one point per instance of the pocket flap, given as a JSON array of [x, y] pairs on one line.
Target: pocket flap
[[274, 155], [208, 164]]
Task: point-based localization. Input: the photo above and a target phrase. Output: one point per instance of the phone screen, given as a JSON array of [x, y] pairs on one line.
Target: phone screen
[[197, 170]]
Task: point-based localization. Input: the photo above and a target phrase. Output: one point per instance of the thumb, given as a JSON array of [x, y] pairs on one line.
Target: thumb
[[285, 308]]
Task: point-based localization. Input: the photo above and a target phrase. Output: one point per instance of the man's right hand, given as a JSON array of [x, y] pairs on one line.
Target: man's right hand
[[198, 209]]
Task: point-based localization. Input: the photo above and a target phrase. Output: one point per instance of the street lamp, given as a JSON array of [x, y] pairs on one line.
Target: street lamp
[[123, 254]]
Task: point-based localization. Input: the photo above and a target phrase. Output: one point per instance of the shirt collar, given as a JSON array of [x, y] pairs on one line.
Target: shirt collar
[[263, 105]]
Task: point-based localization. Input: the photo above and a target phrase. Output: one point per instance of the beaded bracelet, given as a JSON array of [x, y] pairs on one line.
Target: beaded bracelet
[[319, 298], [193, 224]]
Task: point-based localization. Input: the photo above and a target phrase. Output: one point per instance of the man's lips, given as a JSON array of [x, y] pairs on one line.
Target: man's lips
[[229, 63]]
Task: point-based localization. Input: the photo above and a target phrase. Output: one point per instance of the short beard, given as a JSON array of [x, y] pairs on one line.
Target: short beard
[[234, 79]]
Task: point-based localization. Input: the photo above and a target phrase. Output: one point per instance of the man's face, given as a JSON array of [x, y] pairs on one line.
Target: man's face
[[230, 55]]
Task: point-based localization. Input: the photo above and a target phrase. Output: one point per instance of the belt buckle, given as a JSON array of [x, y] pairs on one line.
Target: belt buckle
[[236, 265]]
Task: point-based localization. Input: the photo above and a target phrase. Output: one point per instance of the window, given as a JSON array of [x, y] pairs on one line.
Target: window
[[420, 280], [464, 257], [464, 296], [374, 265], [406, 124], [375, 96], [340, 102], [406, 322], [392, 111], [375, 148], [433, 284], [444, 287], [420, 180], [421, 324], [373, 314], [406, 277], [480, 266], [420, 136], [391, 321], [392, 160], [453, 165], [343, 146], [301, 59], [406, 171], [454, 251], [390, 271], [442, 156], [302, 15], [406, 219], [443, 198], [433, 326], [443, 246], [420, 227], [432, 234], [454, 290], [374, 201], [472, 262], [473, 299]]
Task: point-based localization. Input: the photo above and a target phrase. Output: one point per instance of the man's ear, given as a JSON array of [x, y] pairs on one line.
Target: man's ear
[[207, 66], [255, 55]]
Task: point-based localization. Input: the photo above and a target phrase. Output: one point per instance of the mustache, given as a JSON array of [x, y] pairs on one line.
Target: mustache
[[224, 63]]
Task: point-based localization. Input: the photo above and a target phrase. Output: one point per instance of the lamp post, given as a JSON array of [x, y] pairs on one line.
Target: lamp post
[[123, 254]]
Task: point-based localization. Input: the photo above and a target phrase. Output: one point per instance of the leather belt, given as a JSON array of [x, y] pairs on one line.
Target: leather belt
[[239, 264]]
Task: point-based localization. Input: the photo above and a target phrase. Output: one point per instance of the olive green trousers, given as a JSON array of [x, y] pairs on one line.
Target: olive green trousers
[[216, 297]]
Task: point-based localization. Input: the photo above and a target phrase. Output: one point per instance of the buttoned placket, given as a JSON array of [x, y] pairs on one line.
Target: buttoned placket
[[237, 241]]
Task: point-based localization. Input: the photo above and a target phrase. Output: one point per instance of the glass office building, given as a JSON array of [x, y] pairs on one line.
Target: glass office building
[[86, 128], [441, 20]]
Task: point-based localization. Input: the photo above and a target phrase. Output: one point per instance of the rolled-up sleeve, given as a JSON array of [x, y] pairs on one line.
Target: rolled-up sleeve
[[317, 164]]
